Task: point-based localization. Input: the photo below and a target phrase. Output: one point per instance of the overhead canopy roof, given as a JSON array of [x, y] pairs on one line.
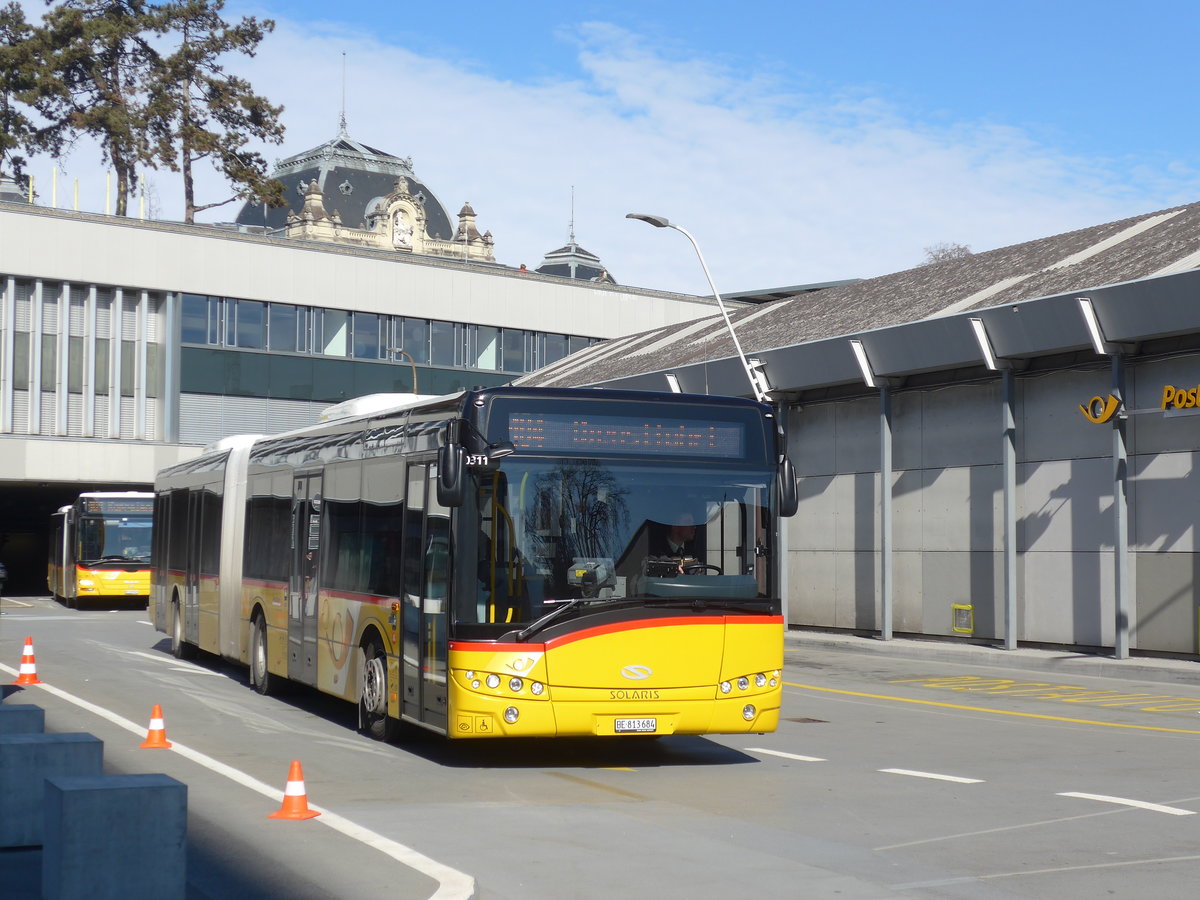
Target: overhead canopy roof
[[1138, 272]]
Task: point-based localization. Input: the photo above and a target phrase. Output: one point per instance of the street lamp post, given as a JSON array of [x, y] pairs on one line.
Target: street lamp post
[[661, 222], [412, 364]]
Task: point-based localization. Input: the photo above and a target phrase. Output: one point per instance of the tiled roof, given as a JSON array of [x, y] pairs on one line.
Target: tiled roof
[[1156, 243]]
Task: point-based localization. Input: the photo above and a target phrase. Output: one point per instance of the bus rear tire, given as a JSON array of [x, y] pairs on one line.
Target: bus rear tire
[[373, 720], [261, 678], [180, 648]]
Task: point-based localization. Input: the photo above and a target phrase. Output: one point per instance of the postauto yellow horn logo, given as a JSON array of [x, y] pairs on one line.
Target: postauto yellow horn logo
[[1100, 409]]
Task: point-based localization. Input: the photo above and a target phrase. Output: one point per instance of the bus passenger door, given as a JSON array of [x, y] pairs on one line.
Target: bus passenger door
[[436, 607], [302, 584], [425, 600], [190, 610]]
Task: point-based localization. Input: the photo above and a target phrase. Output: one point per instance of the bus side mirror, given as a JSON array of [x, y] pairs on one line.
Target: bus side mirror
[[789, 494], [452, 475]]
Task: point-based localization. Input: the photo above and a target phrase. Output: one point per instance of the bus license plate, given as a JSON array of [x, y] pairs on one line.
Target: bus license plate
[[635, 726]]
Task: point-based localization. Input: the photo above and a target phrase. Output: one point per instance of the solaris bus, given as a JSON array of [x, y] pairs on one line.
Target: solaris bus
[[491, 564]]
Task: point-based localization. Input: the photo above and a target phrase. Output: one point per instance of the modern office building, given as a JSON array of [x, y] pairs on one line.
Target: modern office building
[[128, 345], [1003, 447]]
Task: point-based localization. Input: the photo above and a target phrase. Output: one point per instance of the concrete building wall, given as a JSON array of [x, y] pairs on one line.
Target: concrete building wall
[[948, 522], [89, 249]]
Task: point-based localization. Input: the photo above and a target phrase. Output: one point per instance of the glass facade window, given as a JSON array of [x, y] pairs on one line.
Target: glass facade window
[[251, 325], [334, 337], [21, 360], [556, 348], [442, 344], [101, 373], [49, 361], [282, 327], [368, 337], [487, 348], [416, 339], [75, 365], [286, 328], [195, 316], [512, 350], [128, 367]]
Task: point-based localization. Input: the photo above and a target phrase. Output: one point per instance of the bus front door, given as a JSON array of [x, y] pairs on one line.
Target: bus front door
[[426, 600], [302, 585]]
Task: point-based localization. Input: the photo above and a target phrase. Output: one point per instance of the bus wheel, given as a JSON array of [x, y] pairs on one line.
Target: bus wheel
[[373, 719], [261, 678], [180, 648]]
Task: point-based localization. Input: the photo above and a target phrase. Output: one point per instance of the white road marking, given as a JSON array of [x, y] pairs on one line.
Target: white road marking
[[1137, 804], [170, 661], [144, 622], [935, 776], [785, 755], [452, 884]]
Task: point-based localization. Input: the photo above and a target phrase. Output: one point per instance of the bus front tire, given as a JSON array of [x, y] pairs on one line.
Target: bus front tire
[[373, 719], [180, 648], [261, 678]]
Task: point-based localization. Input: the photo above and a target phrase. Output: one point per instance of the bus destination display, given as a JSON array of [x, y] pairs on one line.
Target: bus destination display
[[566, 433], [118, 506]]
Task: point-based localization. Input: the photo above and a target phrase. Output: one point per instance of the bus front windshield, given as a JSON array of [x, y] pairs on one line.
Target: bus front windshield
[[107, 538], [550, 531]]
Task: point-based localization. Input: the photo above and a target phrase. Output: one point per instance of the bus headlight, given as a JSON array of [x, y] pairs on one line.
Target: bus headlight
[[760, 680], [726, 687], [536, 688], [515, 685], [743, 683], [749, 712], [475, 683], [511, 715], [86, 582], [493, 681]]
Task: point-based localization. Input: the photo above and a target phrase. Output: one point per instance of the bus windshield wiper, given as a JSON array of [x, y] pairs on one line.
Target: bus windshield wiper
[[538, 624]]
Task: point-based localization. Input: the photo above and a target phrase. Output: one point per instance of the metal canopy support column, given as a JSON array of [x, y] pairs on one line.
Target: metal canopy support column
[[885, 509], [1010, 509], [1120, 512]]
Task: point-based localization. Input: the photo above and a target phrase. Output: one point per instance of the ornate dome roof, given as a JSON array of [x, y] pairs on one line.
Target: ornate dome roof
[[352, 177]]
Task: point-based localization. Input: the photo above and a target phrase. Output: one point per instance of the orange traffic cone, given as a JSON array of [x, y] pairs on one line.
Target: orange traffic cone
[[156, 737], [295, 799], [28, 674]]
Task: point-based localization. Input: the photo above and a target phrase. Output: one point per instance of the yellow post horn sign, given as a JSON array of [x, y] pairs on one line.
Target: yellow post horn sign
[[1100, 409]]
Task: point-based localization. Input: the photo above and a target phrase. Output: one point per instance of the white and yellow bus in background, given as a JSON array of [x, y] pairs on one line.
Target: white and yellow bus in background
[[100, 548]]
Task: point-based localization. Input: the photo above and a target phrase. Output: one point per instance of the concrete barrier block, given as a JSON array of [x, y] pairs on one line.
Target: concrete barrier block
[[19, 719], [26, 761], [115, 836]]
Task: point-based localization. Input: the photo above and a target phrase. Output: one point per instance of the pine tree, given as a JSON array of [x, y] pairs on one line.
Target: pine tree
[[20, 78], [100, 64], [213, 114]]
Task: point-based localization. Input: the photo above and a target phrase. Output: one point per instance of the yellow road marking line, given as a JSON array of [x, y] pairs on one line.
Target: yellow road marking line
[[997, 712]]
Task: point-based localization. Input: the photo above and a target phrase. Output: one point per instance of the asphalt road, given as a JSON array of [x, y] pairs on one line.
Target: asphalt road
[[902, 769]]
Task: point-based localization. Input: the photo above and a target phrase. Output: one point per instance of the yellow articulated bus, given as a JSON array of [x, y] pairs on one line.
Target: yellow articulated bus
[[100, 548], [505, 562]]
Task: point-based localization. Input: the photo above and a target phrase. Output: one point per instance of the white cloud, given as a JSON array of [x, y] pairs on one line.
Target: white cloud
[[780, 186]]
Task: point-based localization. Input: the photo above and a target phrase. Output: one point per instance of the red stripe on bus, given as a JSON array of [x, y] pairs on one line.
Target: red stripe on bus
[[616, 627]]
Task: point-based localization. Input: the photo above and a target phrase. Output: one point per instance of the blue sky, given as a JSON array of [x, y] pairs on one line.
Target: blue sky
[[799, 141]]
